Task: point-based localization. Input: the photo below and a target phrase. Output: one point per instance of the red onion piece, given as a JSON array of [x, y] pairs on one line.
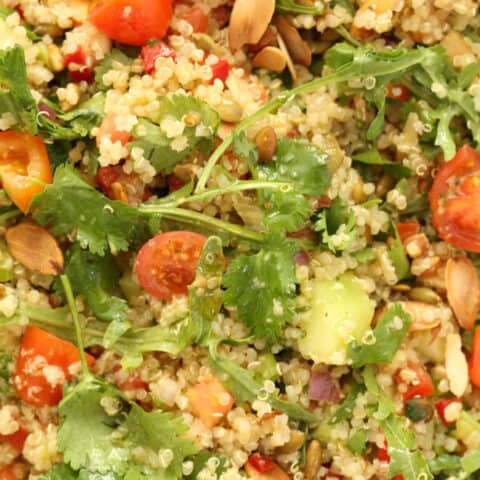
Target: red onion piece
[[302, 258], [46, 111], [322, 387]]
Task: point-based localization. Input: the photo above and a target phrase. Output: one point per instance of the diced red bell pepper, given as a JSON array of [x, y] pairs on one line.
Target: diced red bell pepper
[[398, 91], [442, 405], [407, 229], [261, 462], [16, 440], [78, 57], [152, 51], [220, 70], [421, 386], [81, 72]]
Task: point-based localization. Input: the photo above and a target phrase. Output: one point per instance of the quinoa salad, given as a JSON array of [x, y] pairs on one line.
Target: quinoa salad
[[239, 239]]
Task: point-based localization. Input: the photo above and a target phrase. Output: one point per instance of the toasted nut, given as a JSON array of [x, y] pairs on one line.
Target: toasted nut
[[358, 194], [424, 316], [55, 58], [298, 48], [248, 22], [35, 248], [297, 439], [424, 294], [118, 192], [271, 58], [456, 365], [385, 183], [276, 473], [283, 48], [463, 290], [230, 111], [314, 460], [266, 140], [416, 245], [267, 39]]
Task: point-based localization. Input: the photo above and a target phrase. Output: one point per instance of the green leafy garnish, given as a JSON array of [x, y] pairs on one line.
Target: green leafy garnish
[[291, 6], [345, 410], [114, 57], [397, 255], [385, 340], [265, 302], [373, 157]]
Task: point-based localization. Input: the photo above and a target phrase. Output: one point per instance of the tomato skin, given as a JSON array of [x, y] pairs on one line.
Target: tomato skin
[[108, 129], [423, 385], [132, 22], [383, 456], [262, 463], [16, 440], [442, 405], [196, 18], [407, 229], [398, 91], [76, 63], [166, 264], [39, 349], [474, 362], [21, 156], [455, 202], [151, 52], [220, 70], [7, 474]]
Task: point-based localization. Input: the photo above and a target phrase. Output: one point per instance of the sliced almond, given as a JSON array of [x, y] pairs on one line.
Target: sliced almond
[[416, 245], [35, 248], [271, 58], [249, 21], [463, 290], [314, 460], [424, 316], [276, 473], [456, 365], [298, 48]]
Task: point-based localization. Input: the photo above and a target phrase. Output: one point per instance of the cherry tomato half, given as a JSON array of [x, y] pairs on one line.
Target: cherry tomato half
[[166, 264], [455, 200], [262, 463], [16, 440], [132, 22], [21, 156], [420, 386], [7, 474], [43, 365]]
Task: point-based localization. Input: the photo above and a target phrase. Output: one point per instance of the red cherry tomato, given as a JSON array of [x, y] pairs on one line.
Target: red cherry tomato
[[261, 462], [220, 70], [132, 22], [7, 474], [474, 363], [76, 63], [196, 18], [152, 51], [43, 365], [166, 264], [442, 405], [16, 440], [398, 91], [420, 386], [23, 156], [455, 200], [407, 229]]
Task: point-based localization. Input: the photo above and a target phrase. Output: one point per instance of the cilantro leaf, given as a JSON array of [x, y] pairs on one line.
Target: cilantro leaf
[[243, 148], [245, 388], [265, 302], [397, 255], [373, 157], [158, 431], [387, 336], [15, 96], [71, 205], [198, 121], [345, 410], [114, 57], [95, 277]]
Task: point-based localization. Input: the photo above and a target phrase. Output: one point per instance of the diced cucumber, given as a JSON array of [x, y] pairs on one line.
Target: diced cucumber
[[6, 264], [467, 429], [340, 311]]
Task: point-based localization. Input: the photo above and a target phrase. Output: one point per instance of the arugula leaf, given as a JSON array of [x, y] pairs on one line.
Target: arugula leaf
[[15, 96], [401, 442], [373, 157], [159, 431], [291, 6], [265, 302], [200, 461], [95, 277], [358, 442], [470, 461], [444, 462], [329, 222], [387, 336], [398, 257], [70, 205], [345, 410], [386, 406], [114, 57], [245, 388], [165, 152]]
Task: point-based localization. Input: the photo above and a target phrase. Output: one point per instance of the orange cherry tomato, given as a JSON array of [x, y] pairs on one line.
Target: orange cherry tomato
[[43, 365], [166, 264], [455, 200], [23, 157], [420, 386], [407, 229], [474, 364], [132, 22], [7, 474], [196, 18], [16, 440]]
